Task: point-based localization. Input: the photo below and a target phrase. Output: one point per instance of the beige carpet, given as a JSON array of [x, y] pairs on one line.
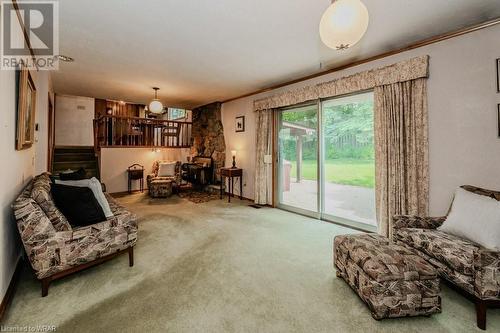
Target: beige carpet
[[219, 267]]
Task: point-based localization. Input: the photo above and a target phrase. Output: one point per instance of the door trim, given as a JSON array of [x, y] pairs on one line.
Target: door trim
[[300, 211], [329, 218], [50, 132], [348, 223]]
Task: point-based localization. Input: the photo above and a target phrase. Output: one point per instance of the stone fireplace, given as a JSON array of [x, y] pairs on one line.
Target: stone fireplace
[[207, 135]]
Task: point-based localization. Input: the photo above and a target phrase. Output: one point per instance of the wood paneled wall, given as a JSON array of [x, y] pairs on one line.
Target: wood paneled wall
[[100, 108], [119, 108]]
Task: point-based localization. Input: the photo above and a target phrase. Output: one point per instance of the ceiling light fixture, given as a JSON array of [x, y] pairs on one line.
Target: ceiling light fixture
[[64, 58], [343, 24], [155, 106]]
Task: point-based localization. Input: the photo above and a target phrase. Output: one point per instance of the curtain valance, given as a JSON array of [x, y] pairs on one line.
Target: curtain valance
[[407, 70]]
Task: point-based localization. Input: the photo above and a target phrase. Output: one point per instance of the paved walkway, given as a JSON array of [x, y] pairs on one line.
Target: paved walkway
[[350, 202]]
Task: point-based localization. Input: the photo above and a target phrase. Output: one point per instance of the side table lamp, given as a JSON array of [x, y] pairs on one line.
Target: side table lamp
[[233, 154]]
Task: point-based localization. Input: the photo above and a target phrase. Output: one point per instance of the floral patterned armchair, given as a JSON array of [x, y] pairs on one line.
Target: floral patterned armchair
[[473, 269], [154, 173], [55, 249]]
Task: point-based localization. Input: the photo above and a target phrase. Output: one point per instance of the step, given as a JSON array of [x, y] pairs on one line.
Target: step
[[75, 156], [74, 152], [90, 172], [80, 162], [74, 165], [58, 170], [62, 150]]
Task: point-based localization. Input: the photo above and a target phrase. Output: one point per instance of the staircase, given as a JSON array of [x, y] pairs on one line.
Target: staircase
[[75, 158]]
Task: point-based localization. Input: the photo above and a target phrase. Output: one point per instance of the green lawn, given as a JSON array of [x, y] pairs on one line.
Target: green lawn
[[341, 171]]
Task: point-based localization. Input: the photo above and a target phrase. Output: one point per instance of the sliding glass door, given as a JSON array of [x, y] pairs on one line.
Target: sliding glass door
[[348, 160], [298, 159], [326, 165]]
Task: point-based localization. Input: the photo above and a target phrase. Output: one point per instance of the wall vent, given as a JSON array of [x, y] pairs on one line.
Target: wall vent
[[80, 107]]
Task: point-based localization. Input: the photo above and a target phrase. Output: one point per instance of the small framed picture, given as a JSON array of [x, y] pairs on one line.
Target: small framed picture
[[240, 124], [498, 75]]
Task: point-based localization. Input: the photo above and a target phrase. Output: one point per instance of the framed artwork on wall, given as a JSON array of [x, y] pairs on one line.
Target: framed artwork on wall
[[26, 108], [240, 124], [498, 75]]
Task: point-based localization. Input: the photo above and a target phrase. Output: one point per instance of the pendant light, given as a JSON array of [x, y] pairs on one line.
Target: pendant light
[[155, 105], [343, 24]]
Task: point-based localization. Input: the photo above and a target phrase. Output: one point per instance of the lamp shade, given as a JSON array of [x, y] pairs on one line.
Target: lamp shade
[[233, 152], [343, 24], [155, 106]]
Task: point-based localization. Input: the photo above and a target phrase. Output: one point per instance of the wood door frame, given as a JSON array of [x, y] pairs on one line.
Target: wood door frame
[[51, 133]]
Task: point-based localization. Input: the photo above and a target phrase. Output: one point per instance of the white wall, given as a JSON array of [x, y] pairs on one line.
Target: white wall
[[74, 121], [115, 161], [18, 167], [44, 92], [462, 100], [243, 142]]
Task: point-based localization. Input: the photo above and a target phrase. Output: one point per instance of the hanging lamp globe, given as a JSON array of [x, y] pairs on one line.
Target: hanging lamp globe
[[343, 24], [155, 106]]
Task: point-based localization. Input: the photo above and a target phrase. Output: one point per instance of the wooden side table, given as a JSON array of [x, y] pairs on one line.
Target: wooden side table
[[231, 173], [135, 172]]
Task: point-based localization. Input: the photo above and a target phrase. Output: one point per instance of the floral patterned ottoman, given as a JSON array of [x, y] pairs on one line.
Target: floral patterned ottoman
[[391, 279], [160, 188]]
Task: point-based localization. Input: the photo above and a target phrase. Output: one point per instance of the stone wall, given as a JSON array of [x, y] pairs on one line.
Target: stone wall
[[207, 135]]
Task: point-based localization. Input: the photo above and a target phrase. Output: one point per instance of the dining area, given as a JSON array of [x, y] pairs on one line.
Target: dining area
[[124, 131]]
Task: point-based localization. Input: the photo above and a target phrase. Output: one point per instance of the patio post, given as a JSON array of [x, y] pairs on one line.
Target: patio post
[[299, 158]]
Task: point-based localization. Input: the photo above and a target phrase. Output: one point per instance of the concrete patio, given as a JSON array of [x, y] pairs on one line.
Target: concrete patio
[[350, 202]]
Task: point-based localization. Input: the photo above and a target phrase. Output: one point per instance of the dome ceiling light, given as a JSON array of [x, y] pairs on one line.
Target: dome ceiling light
[[155, 105], [343, 24]]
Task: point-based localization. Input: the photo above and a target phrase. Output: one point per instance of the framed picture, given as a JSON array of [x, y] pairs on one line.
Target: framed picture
[[498, 75], [240, 124], [26, 108]]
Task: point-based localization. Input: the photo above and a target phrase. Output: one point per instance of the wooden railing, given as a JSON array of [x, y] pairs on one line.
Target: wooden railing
[[118, 131]]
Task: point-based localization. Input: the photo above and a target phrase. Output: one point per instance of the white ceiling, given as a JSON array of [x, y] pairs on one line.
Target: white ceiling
[[200, 51]]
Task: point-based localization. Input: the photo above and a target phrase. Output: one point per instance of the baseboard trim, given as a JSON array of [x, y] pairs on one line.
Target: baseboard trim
[[251, 200], [124, 193], [237, 196], [9, 294]]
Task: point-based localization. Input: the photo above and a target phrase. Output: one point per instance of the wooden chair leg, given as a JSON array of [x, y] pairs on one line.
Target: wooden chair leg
[[45, 286], [481, 314], [131, 256]]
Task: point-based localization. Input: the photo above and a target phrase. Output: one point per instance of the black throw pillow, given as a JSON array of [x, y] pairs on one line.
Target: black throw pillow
[[78, 205], [76, 175]]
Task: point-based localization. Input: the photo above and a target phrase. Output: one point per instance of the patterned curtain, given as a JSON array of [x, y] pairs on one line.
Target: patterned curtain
[[263, 170], [401, 151], [403, 71]]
